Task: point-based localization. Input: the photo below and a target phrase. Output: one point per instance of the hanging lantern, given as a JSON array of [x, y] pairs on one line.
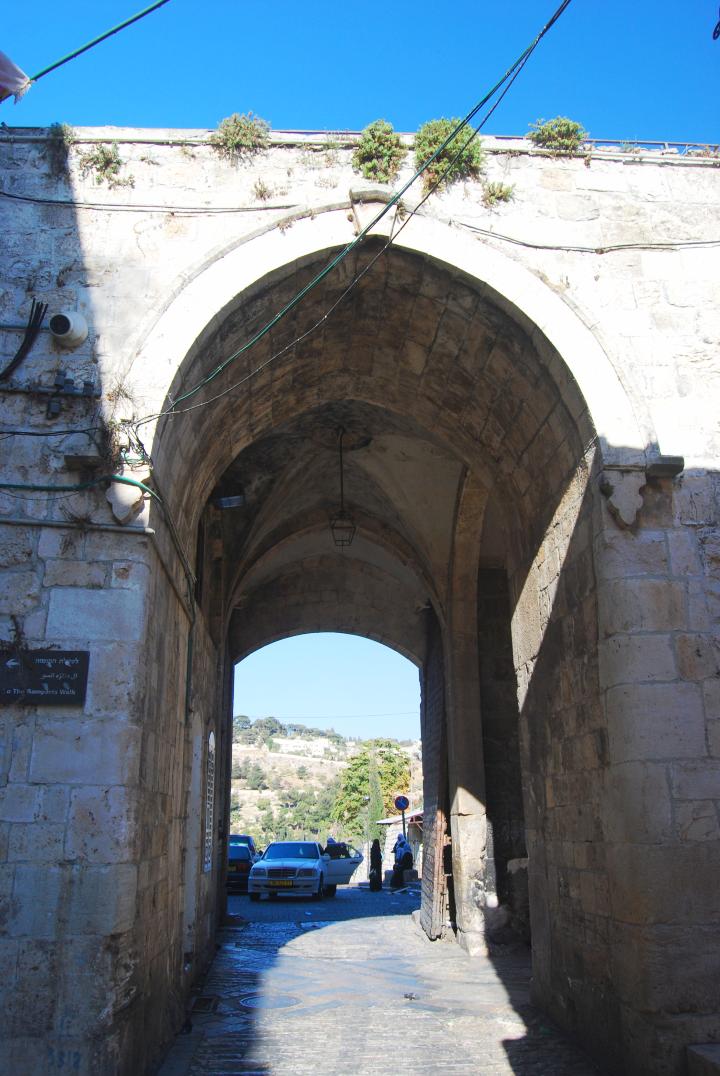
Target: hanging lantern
[[342, 524]]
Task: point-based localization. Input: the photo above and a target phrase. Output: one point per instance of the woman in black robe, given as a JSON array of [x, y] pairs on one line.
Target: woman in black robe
[[375, 866]]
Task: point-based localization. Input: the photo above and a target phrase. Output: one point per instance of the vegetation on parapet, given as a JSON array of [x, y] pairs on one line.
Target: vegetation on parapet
[[561, 136], [379, 153], [462, 158], [240, 135]]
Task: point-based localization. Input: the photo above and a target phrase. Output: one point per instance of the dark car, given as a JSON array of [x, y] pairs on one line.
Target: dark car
[[240, 860], [243, 838]]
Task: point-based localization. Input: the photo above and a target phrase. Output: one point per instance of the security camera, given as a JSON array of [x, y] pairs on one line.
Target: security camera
[[68, 328]]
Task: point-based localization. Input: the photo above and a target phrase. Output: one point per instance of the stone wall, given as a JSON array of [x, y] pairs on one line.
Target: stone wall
[[660, 669], [564, 761], [70, 797], [543, 355], [96, 818]]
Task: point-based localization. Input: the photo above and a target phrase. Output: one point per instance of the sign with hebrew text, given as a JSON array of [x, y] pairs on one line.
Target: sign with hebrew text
[[43, 677]]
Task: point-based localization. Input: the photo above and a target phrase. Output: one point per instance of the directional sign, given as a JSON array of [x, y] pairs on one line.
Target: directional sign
[[401, 803], [43, 677]]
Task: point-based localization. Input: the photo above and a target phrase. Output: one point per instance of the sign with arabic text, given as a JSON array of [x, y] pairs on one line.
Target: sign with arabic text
[[43, 677]]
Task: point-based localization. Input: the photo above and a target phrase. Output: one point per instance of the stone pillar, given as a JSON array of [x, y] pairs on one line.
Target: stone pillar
[[465, 746], [507, 849], [564, 761], [92, 805], [69, 802], [660, 671], [433, 722]]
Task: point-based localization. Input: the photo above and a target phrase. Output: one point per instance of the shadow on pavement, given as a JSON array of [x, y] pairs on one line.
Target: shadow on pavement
[[295, 980], [224, 1033]]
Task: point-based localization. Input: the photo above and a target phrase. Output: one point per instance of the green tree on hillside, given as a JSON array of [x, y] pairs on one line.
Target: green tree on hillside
[[238, 771], [265, 728], [301, 814], [240, 724], [375, 803], [393, 772], [255, 776]]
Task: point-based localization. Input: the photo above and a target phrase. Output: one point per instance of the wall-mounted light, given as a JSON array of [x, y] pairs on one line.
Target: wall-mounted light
[[236, 501], [342, 524]]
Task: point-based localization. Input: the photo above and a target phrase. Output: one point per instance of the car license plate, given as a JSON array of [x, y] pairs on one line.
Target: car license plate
[[284, 882]]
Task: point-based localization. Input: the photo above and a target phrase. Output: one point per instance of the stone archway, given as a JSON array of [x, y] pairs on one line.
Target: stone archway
[[518, 536], [475, 481], [455, 399]]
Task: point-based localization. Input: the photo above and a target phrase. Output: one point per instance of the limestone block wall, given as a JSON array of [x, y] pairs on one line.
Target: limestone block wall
[[564, 755], [94, 808], [69, 797], [660, 669], [615, 611]]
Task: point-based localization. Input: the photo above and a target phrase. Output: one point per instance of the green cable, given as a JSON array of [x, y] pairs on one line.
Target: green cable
[[97, 40], [125, 481], [319, 277], [81, 486]]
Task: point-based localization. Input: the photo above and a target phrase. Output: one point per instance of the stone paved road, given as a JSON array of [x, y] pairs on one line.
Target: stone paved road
[[329, 988]]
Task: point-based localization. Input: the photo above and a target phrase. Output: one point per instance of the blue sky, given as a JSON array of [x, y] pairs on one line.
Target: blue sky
[[626, 69], [353, 684]]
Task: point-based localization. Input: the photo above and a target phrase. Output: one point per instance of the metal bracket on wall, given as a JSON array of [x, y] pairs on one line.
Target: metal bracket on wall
[[64, 388]]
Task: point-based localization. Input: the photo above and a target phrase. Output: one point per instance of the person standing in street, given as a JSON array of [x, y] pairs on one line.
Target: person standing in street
[[375, 867]]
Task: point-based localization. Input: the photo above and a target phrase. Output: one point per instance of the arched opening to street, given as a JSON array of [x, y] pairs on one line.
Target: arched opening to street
[[326, 735], [434, 421]]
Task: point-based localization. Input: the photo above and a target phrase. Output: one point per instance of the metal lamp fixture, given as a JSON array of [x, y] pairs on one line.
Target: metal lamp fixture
[[342, 523]]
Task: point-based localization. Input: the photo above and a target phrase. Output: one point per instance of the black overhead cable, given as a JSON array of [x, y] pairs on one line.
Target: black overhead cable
[[463, 124], [37, 314]]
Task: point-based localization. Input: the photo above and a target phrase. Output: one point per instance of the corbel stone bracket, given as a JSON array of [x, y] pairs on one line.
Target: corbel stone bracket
[[623, 486], [126, 501], [366, 203]]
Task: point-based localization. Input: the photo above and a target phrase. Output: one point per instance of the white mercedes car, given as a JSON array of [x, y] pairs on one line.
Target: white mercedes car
[[302, 868]]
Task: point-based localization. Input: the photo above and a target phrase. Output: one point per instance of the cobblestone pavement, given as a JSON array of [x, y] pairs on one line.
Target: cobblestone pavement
[[352, 985]]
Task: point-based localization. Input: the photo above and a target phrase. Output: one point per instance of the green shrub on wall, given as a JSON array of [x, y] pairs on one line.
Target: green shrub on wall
[[240, 135], [379, 152], [470, 155], [104, 163], [495, 192], [561, 136]]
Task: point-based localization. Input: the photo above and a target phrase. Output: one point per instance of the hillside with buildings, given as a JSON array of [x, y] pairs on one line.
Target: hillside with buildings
[[289, 781]]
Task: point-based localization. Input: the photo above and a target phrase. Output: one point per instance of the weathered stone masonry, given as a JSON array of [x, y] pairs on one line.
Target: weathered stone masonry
[[510, 408]]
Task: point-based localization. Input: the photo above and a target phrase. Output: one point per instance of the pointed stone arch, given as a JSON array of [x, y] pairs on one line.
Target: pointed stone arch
[[571, 351]]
